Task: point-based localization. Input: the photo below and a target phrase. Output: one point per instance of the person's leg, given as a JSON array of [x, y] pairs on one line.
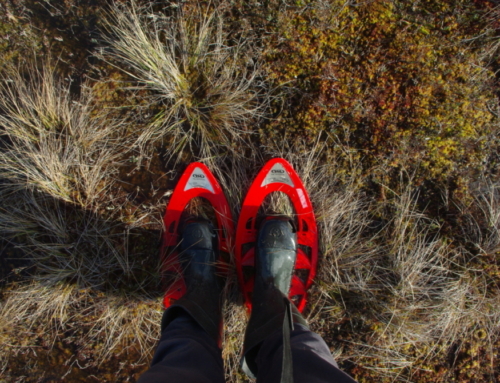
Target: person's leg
[[185, 354], [189, 348], [279, 347], [312, 360]]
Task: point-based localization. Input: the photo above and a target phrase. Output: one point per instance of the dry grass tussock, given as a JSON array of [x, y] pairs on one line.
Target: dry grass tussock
[[474, 297], [60, 154], [59, 158], [491, 46], [54, 142], [412, 276], [204, 88], [110, 323], [425, 297], [62, 244]]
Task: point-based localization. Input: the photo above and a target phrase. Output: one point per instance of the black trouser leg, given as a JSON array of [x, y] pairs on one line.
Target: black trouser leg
[[185, 354], [312, 360]]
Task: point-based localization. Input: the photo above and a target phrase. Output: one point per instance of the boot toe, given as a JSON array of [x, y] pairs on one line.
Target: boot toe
[[277, 234], [198, 235], [276, 254]]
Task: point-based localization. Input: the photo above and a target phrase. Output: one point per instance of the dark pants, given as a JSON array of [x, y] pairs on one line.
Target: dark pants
[[186, 354]]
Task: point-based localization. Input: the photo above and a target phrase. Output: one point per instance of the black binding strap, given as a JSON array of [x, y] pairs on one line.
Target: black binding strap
[[287, 367]]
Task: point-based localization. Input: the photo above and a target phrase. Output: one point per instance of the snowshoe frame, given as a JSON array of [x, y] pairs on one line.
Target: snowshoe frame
[[277, 175], [196, 181]]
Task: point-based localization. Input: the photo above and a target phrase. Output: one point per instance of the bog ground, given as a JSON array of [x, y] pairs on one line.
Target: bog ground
[[388, 110]]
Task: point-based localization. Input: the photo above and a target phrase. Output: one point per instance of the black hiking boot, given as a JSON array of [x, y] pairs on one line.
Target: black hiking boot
[[198, 258], [271, 309]]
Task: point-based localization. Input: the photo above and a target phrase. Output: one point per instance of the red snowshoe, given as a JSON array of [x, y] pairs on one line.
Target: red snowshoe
[[196, 181], [277, 175]]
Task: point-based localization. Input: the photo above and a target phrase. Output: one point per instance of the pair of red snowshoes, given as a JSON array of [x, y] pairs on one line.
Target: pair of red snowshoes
[[276, 176]]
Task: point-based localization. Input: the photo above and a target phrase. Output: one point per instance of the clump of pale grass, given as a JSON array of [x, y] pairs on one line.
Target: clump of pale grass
[[490, 47], [482, 217], [473, 299], [204, 88], [60, 154], [471, 303], [48, 304], [24, 309], [110, 323], [343, 222], [54, 142], [58, 162], [415, 275], [427, 299], [123, 322]]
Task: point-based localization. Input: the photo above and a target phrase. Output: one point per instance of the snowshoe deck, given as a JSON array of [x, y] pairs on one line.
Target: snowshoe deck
[[196, 181], [277, 175]]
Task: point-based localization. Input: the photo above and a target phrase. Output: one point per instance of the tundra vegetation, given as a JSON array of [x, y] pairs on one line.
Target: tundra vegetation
[[388, 110]]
